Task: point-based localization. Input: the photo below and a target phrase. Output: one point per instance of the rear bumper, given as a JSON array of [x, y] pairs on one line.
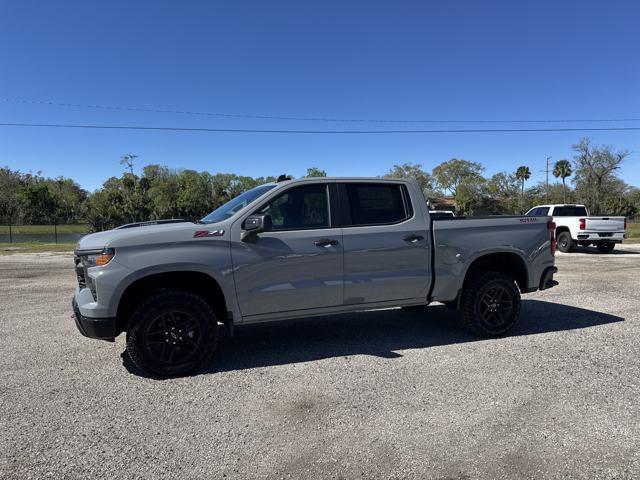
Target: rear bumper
[[547, 281], [607, 237], [99, 328]]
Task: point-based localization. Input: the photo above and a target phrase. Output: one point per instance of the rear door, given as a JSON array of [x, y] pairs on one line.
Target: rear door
[[298, 265], [386, 243]]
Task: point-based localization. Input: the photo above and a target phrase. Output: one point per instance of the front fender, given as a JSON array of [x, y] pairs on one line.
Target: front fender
[[207, 256]]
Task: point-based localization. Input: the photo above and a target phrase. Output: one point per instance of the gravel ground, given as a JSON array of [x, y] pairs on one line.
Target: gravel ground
[[385, 394]]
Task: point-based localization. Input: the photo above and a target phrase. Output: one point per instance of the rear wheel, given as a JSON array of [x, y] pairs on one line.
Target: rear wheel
[[171, 333], [565, 242], [606, 247], [490, 304]]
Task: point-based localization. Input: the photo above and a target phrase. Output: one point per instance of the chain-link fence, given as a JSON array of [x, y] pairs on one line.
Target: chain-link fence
[[42, 233]]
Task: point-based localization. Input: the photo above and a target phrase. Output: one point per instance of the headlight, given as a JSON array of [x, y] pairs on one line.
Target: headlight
[[98, 259]]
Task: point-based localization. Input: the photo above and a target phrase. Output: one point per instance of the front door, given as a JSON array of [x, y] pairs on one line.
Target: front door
[[298, 265]]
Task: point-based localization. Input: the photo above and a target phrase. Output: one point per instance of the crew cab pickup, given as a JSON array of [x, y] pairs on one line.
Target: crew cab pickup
[[574, 226], [297, 248]]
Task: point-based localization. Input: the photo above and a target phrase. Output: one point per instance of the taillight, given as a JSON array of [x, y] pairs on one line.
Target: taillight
[[551, 226], [582, 223]]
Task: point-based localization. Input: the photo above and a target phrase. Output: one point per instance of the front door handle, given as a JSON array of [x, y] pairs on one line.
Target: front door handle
[[413, 238], [325, 242]]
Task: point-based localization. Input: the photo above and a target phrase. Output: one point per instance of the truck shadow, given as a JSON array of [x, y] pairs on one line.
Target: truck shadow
[[382, 333], [595, 251]]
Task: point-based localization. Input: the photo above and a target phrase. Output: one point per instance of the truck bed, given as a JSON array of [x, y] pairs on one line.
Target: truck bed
[[459, 241]]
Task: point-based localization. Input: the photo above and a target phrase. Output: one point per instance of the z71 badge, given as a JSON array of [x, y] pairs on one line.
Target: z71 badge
[[208, 233]]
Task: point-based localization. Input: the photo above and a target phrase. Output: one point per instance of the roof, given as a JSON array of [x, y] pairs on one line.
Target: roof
[[344, 179], [559, 205]]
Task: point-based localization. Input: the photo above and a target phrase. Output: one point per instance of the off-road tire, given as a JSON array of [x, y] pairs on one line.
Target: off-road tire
[[565, 242], [167, 311], [477, 315]]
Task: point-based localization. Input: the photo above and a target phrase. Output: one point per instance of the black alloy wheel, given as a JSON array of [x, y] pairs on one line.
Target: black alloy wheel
[[490, 304], [172, 332], [496, 306], [172, 337]]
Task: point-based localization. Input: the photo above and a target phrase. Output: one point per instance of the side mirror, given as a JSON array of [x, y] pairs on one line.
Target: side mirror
[[255, 224]]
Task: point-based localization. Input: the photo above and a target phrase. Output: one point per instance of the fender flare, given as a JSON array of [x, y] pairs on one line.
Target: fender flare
[[137, 275]]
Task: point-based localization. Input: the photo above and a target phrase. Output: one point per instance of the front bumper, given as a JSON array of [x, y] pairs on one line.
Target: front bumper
[[99, 328]]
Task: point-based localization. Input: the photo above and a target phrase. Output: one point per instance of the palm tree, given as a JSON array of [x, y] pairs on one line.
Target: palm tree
[[562, 169], [127, 161], [523, 174]]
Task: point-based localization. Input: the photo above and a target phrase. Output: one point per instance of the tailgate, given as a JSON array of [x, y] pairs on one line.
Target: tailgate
[[605, 224]]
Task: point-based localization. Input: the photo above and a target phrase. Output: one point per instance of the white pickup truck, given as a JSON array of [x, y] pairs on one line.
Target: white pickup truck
[[574, 226]]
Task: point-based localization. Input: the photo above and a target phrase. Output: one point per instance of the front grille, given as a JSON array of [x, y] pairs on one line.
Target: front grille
[[82, 283]]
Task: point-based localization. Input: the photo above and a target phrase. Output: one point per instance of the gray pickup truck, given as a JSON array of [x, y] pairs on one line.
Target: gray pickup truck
[[297, 248]]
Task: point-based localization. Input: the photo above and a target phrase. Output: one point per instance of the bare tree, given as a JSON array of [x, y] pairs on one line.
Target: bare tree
[[595, 166]]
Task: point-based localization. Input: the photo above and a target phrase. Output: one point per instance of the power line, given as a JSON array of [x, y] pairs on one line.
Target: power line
[[305, 119], [313, 132]]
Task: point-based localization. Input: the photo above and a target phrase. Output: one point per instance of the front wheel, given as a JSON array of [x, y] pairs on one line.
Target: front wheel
[[490, 304], [606, 247], [171, 333]]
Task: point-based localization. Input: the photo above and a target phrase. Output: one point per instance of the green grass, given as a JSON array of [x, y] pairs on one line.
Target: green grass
[[35, 247], [633, 236], [633, 232], [44, 229]]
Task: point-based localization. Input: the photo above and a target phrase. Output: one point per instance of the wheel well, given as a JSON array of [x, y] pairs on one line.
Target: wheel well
[[198, 283], [509, 264], [559, 230]]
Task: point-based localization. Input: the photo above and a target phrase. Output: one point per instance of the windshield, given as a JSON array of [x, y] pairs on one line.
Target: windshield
[[235, 205]]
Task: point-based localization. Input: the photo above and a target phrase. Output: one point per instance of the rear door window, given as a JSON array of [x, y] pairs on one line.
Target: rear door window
[[377, 204]]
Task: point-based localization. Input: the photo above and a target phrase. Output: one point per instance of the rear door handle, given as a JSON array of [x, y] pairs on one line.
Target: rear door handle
[[413, 238], [325, 242]]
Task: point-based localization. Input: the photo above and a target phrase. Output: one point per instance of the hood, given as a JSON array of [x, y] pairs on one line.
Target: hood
[[147, 235]]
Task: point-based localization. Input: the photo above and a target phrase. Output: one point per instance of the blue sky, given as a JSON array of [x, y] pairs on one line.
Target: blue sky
[[459, 60]]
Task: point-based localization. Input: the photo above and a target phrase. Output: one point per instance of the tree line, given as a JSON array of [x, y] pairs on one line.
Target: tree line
[[161, 192]]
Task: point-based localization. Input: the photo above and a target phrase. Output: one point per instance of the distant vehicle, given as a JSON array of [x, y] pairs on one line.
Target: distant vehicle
[[298, 248], [439, 214], [574, 226]]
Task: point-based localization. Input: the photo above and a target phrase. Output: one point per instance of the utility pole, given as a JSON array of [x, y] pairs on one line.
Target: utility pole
[[546, 193]]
